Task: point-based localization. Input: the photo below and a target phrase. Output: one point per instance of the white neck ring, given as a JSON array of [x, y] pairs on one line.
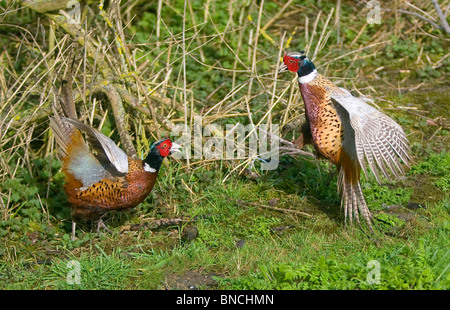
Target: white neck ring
[[308, 78], [148, 168]]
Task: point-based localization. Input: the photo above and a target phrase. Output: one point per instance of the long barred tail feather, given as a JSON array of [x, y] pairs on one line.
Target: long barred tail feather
[[352, 198], [64, 106]]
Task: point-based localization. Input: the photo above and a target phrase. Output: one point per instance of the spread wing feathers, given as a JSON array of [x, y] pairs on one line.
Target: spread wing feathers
[[88, 169], [103, 145], [77, 159], [377, 138]]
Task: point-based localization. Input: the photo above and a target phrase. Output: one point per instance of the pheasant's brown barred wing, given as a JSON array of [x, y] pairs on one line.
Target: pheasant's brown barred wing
[[378, 138]]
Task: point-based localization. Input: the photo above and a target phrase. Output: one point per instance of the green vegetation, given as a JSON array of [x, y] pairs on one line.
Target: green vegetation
[[279, 229]]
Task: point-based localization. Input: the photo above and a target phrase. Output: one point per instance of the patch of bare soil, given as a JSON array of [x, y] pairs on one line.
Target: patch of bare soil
[[190, 280]]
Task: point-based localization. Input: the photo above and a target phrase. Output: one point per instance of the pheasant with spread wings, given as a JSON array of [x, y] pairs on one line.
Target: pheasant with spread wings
[[348, 132]]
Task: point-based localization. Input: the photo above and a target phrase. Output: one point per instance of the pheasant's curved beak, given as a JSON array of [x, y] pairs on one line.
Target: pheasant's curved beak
[[175, 148], [282, 68]]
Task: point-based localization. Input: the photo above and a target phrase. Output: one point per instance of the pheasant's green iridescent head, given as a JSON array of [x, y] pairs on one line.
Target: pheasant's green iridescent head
[[159, 150], [298, 62]]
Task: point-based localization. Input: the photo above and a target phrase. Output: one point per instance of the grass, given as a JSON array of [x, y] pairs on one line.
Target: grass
[[254, 231], [313, 253]]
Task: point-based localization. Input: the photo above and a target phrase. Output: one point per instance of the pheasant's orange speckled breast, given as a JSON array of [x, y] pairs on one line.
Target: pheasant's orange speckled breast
[[325, 125], [119, 193]]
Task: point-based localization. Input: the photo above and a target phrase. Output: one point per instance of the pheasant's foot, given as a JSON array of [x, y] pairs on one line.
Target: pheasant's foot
[[101, 224]]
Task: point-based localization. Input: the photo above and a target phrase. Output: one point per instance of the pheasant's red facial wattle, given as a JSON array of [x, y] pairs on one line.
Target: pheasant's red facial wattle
[[164, 147], [291, 63]]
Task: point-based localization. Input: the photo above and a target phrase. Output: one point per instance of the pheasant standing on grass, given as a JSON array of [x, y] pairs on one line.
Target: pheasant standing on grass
[[348, 132], [108, 180]]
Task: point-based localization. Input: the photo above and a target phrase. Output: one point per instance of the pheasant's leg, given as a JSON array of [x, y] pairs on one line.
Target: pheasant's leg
[[101, 224], [74, 225]]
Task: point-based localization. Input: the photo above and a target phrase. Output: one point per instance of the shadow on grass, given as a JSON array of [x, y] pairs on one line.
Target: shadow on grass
[[314, 180]]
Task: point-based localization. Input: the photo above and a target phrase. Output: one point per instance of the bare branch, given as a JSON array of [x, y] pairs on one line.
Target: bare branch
[[441, 15]]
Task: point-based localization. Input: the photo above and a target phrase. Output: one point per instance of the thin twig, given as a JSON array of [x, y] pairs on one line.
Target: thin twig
[[441, 15], [241, 202], [432, 23]]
